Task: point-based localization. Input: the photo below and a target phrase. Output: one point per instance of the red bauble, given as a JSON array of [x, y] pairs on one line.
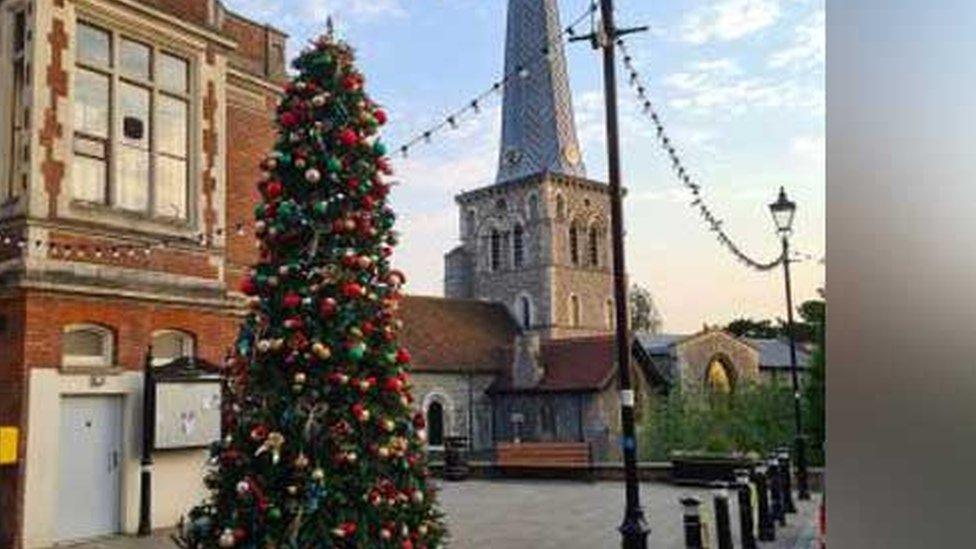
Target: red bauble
[[327, 307], [348, 137], [291, 300], [352, 289], [290, 119], [249, 286], [393, 385], [380, 116], [418, 421], [407, 544], [273, 189]]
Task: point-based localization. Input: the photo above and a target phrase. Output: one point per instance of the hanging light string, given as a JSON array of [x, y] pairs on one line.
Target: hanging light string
[[684, 176], [474, 106]]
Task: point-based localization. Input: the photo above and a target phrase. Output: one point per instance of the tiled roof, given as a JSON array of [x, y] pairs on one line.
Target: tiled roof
[[457, 335], [571, 365], [658, 344], [775, 353]]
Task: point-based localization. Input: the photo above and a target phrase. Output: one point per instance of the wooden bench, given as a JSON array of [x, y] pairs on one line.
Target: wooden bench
[[557, 458]]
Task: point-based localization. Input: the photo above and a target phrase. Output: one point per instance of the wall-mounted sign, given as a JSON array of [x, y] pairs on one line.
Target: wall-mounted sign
[[187, 414], [8, 445]]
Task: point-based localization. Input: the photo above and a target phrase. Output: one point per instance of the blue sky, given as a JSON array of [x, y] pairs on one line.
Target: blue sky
[[738, 83]]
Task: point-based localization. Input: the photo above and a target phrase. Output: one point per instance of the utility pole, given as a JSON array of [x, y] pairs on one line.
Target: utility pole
[[634, 529]]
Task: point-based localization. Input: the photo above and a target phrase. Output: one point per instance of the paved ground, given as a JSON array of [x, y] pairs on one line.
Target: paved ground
[[555, 515]]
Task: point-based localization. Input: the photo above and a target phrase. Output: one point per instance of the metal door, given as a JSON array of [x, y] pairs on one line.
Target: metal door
[[90, 459]]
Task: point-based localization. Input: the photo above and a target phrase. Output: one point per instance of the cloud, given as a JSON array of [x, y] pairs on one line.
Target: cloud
[[317, 11], [727, 20], [810, 148], [709, 86], [808, 50]]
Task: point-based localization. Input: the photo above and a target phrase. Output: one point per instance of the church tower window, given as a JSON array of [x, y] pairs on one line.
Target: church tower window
[[533, 207], [560, 207], [525, 312], [518, 245], [574, 310], [594, 247], [496, 250], [469, 224], [574, 252]]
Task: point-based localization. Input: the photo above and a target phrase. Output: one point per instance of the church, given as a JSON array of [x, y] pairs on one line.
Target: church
[[526, 348]]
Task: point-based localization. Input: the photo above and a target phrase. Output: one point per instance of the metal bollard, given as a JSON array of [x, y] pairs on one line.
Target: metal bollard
[[775, 481], [784, 460], [747, 527], [767, 528], [723, 524], [692, 521]]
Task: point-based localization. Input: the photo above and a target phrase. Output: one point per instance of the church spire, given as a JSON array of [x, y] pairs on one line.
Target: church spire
[[538, 130]]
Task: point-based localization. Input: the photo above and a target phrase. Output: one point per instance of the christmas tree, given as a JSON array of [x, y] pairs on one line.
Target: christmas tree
[[320, 447]]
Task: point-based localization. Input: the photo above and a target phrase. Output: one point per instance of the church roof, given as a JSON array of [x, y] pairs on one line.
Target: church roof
[[457, 335], [775, 353]]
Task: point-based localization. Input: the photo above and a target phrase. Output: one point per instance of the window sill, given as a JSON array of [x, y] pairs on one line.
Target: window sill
[[112, 213]]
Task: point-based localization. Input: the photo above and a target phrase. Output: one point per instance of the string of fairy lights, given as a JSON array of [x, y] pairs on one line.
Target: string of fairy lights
[[144, 249], [637, 83]]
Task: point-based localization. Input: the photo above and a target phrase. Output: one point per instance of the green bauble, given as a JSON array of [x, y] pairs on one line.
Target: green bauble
[[357, 352]]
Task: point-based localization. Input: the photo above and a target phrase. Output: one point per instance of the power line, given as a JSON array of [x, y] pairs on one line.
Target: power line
[[637, 83]]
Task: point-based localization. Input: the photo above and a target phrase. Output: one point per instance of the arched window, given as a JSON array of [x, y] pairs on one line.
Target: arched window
[[469, 224], [574, 255], [547, 421], [609, 313], [496, 250], [169, 345], [525, 312], [518, 245], [717, 378], [435, 424], [574, 310], [560, 207], [87, 346], [594, 247], [533, 207]]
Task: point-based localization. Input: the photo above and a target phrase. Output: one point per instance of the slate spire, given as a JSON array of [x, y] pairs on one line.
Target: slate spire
[[538, 129]]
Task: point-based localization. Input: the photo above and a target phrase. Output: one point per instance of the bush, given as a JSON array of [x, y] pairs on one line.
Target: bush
[[755, 418]]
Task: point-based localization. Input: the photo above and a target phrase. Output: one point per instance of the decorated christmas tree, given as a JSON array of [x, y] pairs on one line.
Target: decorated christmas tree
[[320, 446]]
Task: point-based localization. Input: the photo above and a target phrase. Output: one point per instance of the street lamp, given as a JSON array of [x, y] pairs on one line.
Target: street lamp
[[783, 211]]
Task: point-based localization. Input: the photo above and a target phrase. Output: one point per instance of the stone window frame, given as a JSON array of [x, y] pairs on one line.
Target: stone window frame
[[15, 134], [518, 245], [522, 300], [573, 242], [560, 206], [593, 247], [471, 222], [729, 369], [441, 397], [532, 207], [575, 311], [122, 28], [104, 361], [495, 246], [187, 337]]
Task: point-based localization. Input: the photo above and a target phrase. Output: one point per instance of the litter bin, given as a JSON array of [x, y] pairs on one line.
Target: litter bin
[[455, 458]]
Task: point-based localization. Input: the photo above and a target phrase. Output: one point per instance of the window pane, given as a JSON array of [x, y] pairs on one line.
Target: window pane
[[171, 118], [172, 73], [84, 343], [169, 346], [170, 187], [133, 188], [134, 107], [89, 178], [134, 59], [91, 103], [94, 45]]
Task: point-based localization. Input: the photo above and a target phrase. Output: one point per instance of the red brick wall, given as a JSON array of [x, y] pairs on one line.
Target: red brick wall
[[12, 409], [193, 11], [251, 52], [166, 260], [250, 136], [132, 321]]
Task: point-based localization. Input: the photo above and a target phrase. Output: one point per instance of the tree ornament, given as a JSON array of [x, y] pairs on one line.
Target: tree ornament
[[227, 538], [313, 175]]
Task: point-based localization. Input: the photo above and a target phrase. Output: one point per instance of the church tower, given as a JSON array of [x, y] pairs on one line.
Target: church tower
[[537, 239]]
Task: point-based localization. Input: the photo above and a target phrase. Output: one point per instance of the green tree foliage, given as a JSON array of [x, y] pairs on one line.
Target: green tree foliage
[[644, 316], [815, 390], [321, 448], [754, 418], [747, 327]]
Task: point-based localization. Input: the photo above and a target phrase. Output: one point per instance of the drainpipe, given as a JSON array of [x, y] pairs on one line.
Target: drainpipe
[[148, 426]]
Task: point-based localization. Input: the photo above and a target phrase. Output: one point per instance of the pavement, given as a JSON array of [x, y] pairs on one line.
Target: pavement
[[520, 514]]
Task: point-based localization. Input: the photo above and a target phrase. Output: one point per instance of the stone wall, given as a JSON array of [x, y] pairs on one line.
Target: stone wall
[[695, 354], [458, 393]]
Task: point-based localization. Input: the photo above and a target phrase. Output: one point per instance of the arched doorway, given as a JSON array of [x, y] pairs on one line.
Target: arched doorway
[[435, 424], [718, 378]]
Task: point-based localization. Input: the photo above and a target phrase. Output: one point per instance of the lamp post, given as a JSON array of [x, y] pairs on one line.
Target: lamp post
[[783, 211]]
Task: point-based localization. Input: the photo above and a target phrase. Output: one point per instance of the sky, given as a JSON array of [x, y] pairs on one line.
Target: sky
[[739, 84]]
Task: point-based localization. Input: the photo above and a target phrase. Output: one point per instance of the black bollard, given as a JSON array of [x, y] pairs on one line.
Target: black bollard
[[787, 472], [776, 492], [692, 521], [747, 526], [723, 524], [767, 528]]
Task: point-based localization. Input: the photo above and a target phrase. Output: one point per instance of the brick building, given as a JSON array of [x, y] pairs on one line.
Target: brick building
[[130, 133]]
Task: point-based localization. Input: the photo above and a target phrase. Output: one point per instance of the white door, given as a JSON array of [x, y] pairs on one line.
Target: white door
[[90, 459]]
